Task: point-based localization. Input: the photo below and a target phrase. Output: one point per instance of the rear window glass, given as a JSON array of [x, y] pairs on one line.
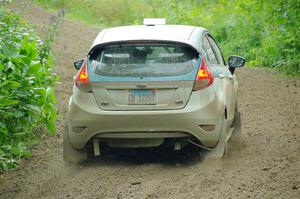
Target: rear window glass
[[143, 60]]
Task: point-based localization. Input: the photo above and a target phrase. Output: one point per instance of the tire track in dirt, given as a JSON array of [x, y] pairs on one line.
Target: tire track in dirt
[[265, 163]]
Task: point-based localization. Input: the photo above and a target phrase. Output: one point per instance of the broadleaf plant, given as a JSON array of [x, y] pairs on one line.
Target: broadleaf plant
[[27, 100]]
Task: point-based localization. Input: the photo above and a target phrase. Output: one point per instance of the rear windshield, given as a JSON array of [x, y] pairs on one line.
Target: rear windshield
[[143, 60]]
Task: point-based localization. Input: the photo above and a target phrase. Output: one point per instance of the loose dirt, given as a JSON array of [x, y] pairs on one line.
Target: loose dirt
[[264, 163]]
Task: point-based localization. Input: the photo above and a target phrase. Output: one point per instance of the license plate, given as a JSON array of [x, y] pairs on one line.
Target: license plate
[[141, 97]]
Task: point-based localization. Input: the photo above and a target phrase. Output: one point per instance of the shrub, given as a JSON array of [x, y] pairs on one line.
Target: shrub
[[265, 32], [27, 100]]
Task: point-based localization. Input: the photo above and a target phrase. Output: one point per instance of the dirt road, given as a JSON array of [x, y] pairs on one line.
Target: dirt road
[[265, 163]]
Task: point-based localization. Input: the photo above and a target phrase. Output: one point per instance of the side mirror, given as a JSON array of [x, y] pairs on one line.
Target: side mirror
[[235, 61], [78, 64]]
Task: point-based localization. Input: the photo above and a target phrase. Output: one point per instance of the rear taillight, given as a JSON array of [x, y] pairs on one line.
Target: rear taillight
[[204, 76], [82, 80]]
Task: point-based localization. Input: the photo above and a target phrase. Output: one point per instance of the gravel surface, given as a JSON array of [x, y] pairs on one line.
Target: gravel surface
[[263, 163]]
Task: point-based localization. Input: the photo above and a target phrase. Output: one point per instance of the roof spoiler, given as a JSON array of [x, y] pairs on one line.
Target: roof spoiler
[[92, 49]]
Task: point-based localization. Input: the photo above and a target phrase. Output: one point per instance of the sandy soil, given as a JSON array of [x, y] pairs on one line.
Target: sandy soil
[[264, 163]]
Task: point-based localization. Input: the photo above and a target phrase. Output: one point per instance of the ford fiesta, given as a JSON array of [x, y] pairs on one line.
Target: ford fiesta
[[145, 85]]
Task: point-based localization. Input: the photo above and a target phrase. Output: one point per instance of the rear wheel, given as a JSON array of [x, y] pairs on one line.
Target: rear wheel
[[237, 123], [236, 142], [70, 154]]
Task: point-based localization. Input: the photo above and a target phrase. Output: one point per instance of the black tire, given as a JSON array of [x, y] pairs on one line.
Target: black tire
[[237, 124], [70, 154]]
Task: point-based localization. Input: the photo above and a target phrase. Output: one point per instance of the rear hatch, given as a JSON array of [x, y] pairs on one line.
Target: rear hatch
[[142, 76]]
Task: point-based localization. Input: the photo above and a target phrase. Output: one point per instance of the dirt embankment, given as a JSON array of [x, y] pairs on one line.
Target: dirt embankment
[[265, 163]]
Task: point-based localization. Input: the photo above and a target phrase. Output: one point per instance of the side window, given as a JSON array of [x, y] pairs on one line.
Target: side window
[[216, 50], [209, 51]]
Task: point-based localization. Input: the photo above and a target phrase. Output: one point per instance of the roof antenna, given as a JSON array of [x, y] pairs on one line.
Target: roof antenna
[[154, 21]]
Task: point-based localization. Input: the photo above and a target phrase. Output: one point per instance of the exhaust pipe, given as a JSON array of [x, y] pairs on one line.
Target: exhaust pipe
[[96, 147], [177, 146]]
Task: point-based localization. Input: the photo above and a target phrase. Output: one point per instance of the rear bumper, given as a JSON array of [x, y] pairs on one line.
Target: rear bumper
[[86, 121]]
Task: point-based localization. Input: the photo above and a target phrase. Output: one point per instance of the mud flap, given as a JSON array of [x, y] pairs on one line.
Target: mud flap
[[70, 154], [236, 143], [237, 124], [221, 147]]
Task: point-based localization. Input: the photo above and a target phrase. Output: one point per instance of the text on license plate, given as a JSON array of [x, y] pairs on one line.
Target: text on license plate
[[141, 97]]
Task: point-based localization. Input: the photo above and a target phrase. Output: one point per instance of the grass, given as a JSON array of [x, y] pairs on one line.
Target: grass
[[106, 13], [265, 32]]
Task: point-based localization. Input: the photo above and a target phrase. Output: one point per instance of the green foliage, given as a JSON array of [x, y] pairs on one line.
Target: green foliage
[[27, 100], [265, 32], [104, 12]]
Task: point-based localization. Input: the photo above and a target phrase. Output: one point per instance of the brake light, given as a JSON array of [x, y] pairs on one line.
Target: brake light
[[204, 76], [82, 80]]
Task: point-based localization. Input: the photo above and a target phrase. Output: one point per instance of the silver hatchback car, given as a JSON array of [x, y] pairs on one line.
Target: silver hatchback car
[[142, 85]]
